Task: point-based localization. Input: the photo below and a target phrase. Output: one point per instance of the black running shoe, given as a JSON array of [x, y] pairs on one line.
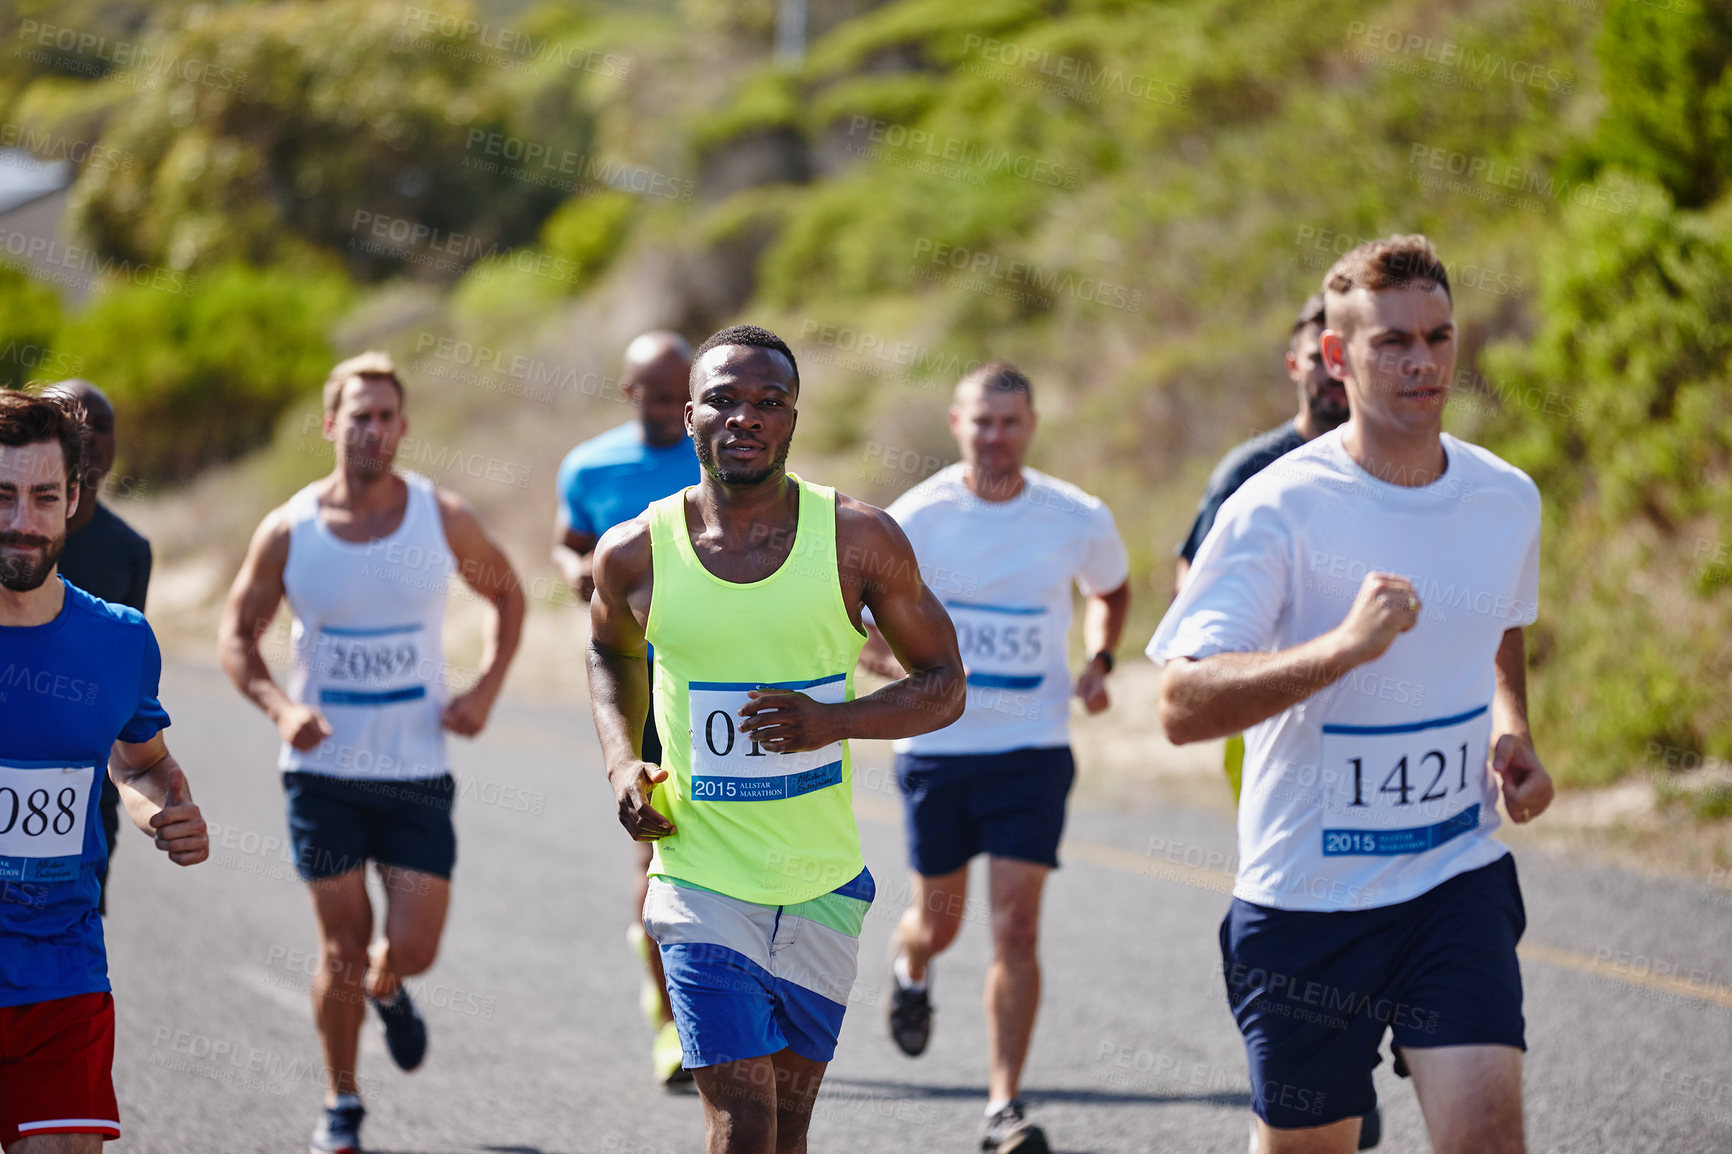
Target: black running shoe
[[405, 1032], [339, 1132], [910, 1018], [1008, 1132]]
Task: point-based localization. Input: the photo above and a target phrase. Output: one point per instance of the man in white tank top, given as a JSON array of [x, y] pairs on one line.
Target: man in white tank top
[[364, 557]]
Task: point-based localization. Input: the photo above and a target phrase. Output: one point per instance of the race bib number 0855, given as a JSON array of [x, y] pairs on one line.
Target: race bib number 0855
[[1402, 789], [1002, 647], [42, 822], [727, 765]]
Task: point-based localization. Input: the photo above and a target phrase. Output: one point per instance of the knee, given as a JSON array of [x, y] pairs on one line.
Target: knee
[[413, 955], [344, 956], [935, 929], [1015, 936]]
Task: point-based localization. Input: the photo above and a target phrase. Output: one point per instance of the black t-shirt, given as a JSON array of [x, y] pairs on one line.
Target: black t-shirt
[[1238, 466], [108, 559]]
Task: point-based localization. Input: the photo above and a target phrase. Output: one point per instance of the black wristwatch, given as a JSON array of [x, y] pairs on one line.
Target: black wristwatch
[[1105, 657]]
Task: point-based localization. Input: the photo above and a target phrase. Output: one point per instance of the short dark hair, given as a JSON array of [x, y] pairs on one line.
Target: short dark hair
[[31, 418], [1310, 314], [1394, 262], [371, 363], [751, 336], [999, 377]]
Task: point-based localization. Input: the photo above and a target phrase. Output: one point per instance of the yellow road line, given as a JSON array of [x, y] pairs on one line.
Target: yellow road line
[[1629, 975], [884, 812]]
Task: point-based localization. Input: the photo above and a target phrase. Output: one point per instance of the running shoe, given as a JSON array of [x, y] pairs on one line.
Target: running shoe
[[1008, 1132], [910, 1016], [405, 1032], [668, 1058], [340, 1130]]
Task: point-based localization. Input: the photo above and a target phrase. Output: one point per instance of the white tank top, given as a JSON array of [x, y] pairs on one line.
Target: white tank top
[[368, 623]]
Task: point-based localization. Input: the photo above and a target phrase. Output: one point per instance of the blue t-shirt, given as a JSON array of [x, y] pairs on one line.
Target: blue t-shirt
[[68, 690], [612, 478]]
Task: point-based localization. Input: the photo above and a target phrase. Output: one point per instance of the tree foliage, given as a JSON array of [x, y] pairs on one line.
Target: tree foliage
[[361, 130]]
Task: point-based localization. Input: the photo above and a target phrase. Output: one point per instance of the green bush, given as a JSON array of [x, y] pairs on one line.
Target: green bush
[[1634, 464], [201, 376], [30, 320], [345, 127]]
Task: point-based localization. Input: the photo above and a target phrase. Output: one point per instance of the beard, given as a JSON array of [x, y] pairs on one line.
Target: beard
[[21, 574], [1327, 413], [739, 478]]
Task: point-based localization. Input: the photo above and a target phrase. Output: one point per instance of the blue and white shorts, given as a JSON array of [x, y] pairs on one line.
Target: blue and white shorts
[[747, 980]]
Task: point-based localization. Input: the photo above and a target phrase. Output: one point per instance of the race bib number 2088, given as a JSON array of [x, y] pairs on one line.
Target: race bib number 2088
[[42, 813], [727, 765]]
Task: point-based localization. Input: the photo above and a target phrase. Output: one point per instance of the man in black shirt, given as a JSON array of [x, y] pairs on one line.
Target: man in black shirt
[[104, 556], [1322, 407]]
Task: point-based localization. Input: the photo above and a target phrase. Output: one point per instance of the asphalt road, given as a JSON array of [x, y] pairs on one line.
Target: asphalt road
[[537, 1046]]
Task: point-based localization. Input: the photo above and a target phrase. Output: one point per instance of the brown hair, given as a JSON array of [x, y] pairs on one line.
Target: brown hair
[[371, 363], [1000, 377], [1310, 316], [31, 418], [1394, 262]]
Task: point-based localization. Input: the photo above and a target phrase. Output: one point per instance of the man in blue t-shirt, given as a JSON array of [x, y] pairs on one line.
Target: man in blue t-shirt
[[604, 482], [78, 691]]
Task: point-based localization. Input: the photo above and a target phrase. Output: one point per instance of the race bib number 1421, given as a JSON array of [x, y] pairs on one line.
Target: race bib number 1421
[[1402, 789]]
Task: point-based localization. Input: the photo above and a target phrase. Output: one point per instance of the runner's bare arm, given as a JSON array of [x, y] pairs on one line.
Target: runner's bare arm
[[252, 603], [485, 568], [1527, 787], [154, 791], [1230, 692], [1103, 624], [619, 689], [574, 556], [878, 572]]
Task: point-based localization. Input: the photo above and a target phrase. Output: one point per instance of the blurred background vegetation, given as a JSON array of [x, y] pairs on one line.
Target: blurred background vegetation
[[1129, 199]]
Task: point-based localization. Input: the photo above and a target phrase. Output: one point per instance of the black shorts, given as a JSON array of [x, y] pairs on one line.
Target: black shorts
[[340, 824], [1313, 993], [1005, 804]]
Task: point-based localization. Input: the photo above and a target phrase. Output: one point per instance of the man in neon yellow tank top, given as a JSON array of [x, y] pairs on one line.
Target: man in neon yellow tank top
[[750, 585]]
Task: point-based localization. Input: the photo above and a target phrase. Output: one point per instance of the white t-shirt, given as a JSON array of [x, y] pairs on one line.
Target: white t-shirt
[[1003, 570], [1378, 788]]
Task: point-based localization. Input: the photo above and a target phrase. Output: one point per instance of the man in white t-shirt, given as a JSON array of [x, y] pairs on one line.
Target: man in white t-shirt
[[1001, 545], [1358, 609]]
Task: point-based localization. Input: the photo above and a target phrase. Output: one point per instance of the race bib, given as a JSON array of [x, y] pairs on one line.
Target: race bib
[[1403, 789], [727, 765], [1002, 647], [370, 667], [42, 815]]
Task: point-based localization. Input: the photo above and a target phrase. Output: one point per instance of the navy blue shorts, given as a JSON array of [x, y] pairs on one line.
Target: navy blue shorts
[[1004, 804], [1314, 992], [338, 824]]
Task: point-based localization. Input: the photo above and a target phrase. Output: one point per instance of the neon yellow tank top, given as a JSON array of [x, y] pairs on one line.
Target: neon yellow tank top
[[763, 827]]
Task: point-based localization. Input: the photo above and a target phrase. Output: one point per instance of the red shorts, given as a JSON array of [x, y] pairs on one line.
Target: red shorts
[[56, 1068]]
